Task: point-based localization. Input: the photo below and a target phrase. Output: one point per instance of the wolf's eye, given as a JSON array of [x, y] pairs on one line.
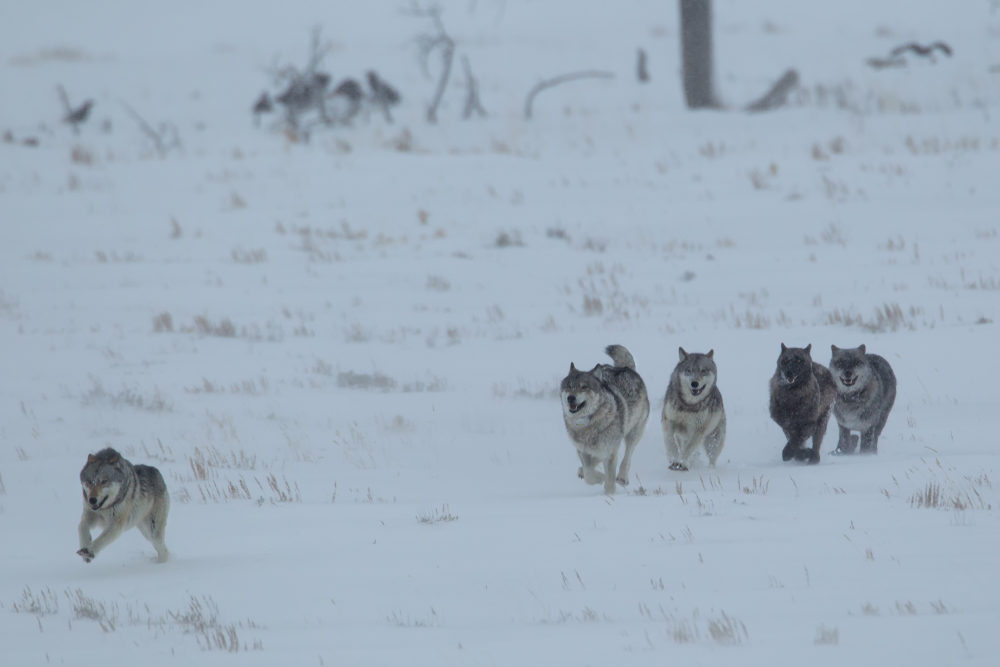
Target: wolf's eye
[[103, 481]]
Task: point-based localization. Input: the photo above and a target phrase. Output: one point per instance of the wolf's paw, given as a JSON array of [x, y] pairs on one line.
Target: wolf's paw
[[86, 554], [580, 472], [622, 480], [677, 465], [839, 452], [788, 453]]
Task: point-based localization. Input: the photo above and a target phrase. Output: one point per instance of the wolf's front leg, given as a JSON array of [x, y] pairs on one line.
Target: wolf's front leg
[[869, 442], [632, 439], [847, 442], [670, 439], [591, 475], [796, 438], [690, 449], [86, 523], [610, 466], [109, 535]]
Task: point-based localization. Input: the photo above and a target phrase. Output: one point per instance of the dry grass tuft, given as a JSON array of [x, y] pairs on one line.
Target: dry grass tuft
[[205, 327], [43, 603], [438, 284], [510, 239], [888, 317], [241, 256], [827, 636], [757, 487], [155, 402], [376, 380], [433, 517], [163, 323]]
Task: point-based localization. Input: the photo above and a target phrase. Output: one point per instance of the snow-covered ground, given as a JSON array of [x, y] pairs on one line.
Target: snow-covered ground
[[344, 354]]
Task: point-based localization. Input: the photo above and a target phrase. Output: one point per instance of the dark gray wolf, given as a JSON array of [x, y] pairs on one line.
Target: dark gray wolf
[[802, 394], [119, 496], [601, 407], [693, 414], [866, 390]]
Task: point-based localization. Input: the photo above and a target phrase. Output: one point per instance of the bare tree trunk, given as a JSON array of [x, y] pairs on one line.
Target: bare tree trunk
[[696, 53]]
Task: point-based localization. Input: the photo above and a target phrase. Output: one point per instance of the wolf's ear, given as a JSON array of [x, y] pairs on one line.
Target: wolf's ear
[[91, 458], [115, 458], [783, 348], [572, 368], [861, 349], [834, 349], [710, 353], [683, 354], [809, 348]]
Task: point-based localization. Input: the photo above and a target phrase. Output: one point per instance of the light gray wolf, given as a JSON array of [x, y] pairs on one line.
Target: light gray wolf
[[866, 390], [693, 414], [802, 394], [119, 496], [601, 407]]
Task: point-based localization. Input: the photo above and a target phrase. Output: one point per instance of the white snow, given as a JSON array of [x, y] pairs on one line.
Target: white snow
[[436, 518]]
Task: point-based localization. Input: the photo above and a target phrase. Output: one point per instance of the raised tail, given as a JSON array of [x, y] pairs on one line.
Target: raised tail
[[621, 356]]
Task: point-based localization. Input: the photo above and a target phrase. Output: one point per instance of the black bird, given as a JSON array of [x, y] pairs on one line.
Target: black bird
[[78, 116], [352, 91], [383, 95]]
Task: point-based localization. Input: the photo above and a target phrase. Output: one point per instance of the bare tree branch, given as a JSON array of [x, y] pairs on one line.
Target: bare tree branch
[[563, 78], [472, 103], [428, 43]]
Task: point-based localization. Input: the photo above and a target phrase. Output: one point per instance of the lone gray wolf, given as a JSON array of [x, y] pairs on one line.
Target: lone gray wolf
[[601, 407], [693, 414], [866, 390], [119, 496], [802, 393]]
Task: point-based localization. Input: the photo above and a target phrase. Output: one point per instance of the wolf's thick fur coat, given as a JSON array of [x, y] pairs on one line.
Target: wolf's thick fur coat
[[119, 496], [802, 394], [866, 392], [601, 407], [693, 413]]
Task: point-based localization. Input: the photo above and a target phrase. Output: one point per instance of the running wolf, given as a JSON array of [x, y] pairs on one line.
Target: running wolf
[[693, 414], [802, 393], [119, 496], [601, 407], [866, 390]]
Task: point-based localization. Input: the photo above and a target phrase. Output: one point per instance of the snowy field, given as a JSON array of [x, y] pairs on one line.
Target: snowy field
[[344, 354]]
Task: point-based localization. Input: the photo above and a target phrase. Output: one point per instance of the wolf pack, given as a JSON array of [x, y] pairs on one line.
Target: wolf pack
[[601, 408], [609, 403]]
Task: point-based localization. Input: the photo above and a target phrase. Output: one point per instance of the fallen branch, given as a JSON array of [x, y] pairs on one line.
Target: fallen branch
[[778, 94], [163, 140], [564, 78], [896, 58]]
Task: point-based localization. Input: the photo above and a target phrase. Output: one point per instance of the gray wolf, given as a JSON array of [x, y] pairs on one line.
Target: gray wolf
[[866, 390], [119, 496], [693, 414], [601, 407], [802, 393]]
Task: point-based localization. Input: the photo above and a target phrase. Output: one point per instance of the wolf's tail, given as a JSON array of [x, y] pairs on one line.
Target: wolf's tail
[[621, 356]]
